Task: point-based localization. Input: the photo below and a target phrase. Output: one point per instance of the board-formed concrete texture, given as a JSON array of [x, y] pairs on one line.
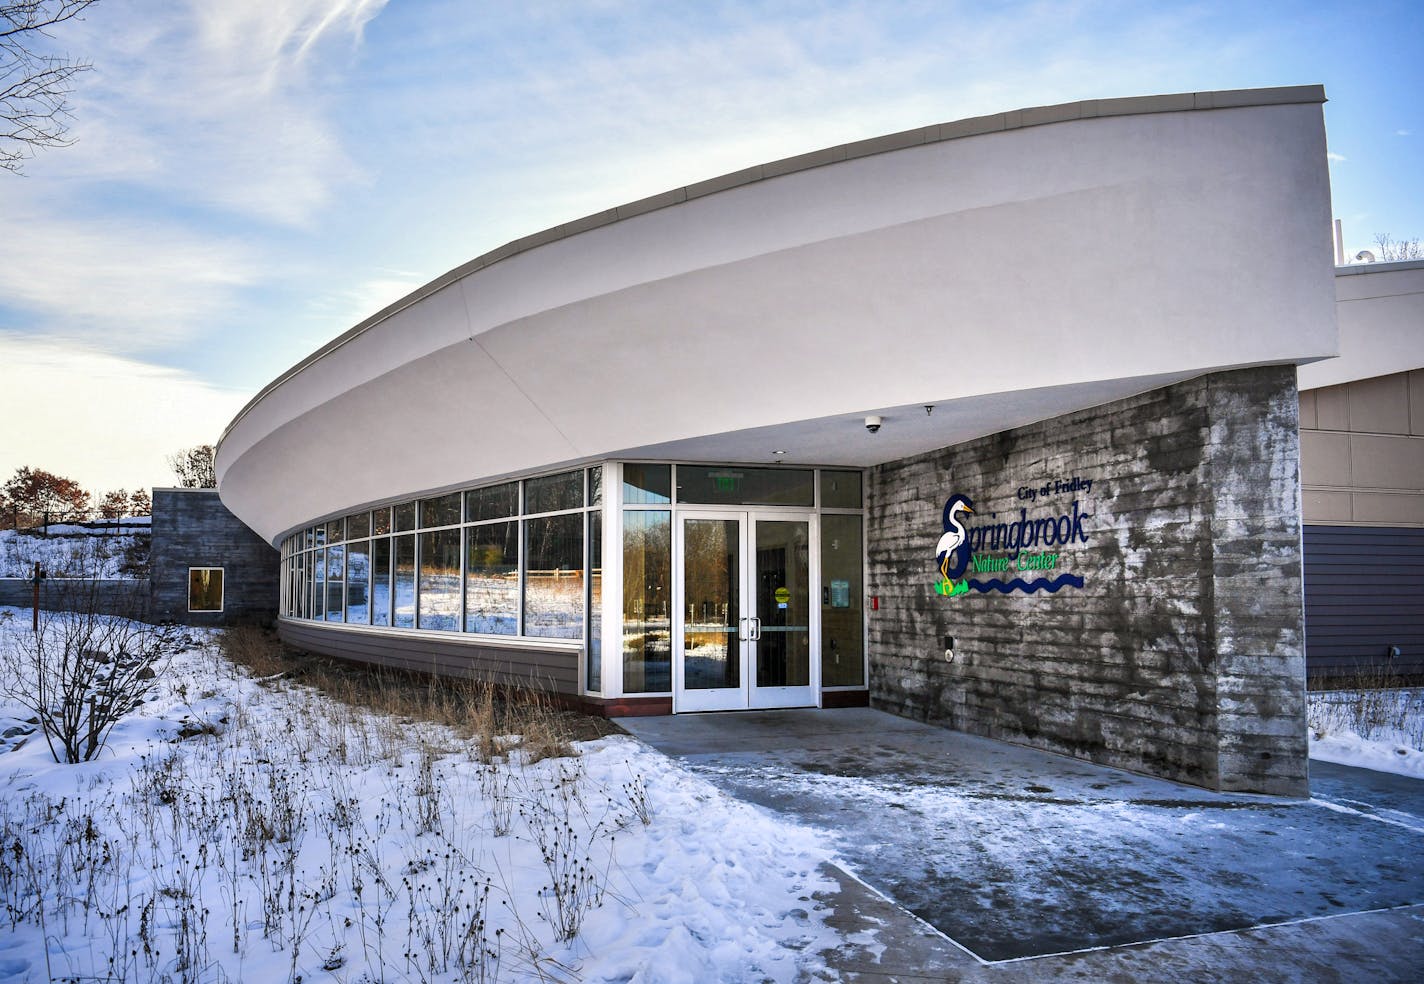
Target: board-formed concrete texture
[[192, 528], [1181, 653], [1116, 291]]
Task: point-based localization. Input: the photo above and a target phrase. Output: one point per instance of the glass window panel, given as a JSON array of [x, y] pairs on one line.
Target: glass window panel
[[440, 580], [205, 589], [647, 601], [840, 490], [358, 526], [492, 578], [403, 600], [381, 582], [358, 581], [595, 600], [842, 598], [381, 521], [553, 492], [712, 584], [318, 597], [441, 511], [553, 575], [308, 539], [494, 502], [595, 486], [335, 530], [646, 484], [335, 582], [732, 485], [783, 603], [405, 517], [319, 531]]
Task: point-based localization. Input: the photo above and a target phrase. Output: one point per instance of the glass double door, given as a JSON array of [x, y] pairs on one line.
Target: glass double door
[[745, 617]]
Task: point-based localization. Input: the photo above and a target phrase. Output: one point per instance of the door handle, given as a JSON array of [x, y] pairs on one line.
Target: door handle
[[756, 629], [742, 633]]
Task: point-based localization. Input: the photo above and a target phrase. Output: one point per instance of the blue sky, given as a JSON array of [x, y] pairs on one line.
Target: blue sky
[[252, 177]]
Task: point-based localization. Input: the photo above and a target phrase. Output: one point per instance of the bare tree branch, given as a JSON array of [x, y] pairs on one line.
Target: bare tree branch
[[34, 86]]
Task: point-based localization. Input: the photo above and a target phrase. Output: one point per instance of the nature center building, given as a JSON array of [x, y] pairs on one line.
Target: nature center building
[[993, 423]]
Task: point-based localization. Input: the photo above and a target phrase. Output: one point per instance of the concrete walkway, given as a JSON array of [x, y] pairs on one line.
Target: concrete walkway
[[975, 860]]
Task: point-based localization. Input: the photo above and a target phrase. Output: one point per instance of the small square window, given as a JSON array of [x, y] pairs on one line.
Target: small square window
[[205, 589]]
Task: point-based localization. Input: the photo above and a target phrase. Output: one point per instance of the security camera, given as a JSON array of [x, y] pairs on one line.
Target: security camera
[[872, 424]]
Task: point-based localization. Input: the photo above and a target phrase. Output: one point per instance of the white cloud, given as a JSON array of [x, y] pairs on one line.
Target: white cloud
[[122, 283], [1403, 133], [217, 103], [104, 421], [1336, 157]]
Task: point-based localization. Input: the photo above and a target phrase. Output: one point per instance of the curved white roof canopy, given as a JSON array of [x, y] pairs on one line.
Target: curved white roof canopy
[[1005, 269]]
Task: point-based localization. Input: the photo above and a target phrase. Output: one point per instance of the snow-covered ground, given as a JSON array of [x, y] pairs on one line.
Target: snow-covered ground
[[1375, 729], [238, 831], [71, 550]]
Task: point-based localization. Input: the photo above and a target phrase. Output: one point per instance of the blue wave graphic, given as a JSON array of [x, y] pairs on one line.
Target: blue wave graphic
[[1028, 587]]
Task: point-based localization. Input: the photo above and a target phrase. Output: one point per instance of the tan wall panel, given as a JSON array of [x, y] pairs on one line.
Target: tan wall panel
[[1416, 402], [1324, 458], [1380, 405], [1394, 508], [1307, 410], [1384, 463], [1326, 507], [1332, 407]]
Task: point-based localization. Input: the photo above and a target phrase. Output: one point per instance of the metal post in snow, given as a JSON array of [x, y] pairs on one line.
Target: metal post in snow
[[38, 577]]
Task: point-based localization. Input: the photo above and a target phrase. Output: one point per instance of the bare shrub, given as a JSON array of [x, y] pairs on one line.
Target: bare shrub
[[82, 671]]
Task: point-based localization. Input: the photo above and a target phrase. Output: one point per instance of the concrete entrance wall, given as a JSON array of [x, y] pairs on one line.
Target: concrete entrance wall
[[1181, 654]]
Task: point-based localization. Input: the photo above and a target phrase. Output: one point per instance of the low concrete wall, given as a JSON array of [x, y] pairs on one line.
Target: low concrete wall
[[1179, 653], [112, 596]]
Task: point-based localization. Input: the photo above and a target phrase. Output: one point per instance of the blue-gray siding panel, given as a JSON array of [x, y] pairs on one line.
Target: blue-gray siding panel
[[1364, 592]]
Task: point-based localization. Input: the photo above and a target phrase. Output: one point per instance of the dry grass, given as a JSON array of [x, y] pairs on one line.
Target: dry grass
[[489, 715]]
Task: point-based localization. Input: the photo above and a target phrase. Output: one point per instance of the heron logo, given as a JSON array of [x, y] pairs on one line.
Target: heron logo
[[960, 549]]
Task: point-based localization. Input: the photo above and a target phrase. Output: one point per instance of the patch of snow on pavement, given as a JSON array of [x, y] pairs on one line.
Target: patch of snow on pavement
[[1363, 753]]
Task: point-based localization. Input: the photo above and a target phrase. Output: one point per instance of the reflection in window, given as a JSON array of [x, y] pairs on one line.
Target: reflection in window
[[405, 517], [842, 591], [335, 586], [358, 526], [318, 600], [335, 530], [492, 578], [381, 521], [736, 485], [404, 599], [358, 581], [595, 600], [553, 576], [205, 589], [647, 484], [840, 490], [647, 599], [441, 511], [381, 582], [495, 502], [440, 580], [552, 492]]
